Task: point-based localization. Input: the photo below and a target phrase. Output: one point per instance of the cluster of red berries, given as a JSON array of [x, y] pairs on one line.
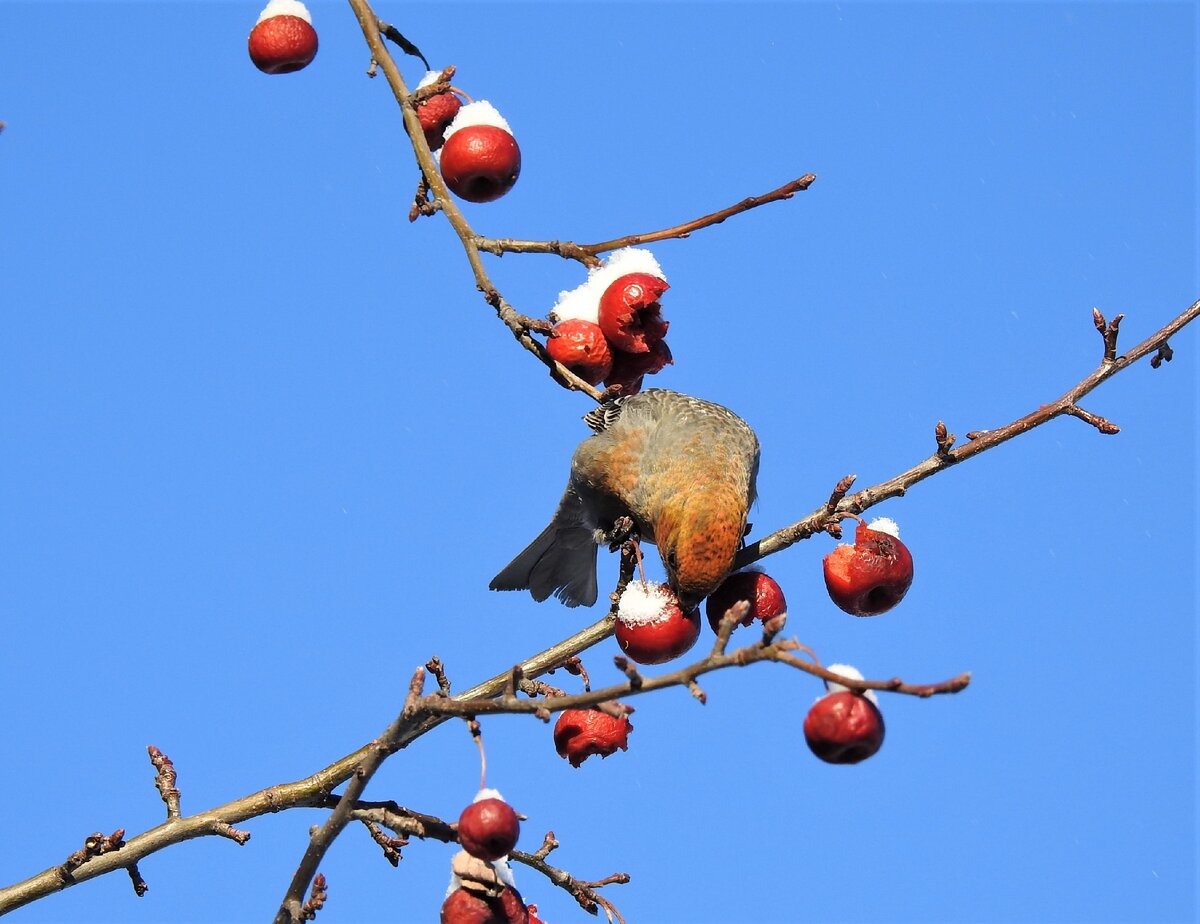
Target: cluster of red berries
[[479, 156], [844, 726], [611, 328]]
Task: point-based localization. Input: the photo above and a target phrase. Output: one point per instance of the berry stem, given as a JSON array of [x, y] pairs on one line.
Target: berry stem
[[477, 734]]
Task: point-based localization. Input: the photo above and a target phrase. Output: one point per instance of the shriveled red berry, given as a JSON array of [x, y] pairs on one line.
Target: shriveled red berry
[[581, 347], [282, 44], [652, 627], [763, 593], [436, 113], [466, 906], [630, 315], [580, 733], [480, 163], [843, 728], [871, 576], [628, 369], [488, 829]]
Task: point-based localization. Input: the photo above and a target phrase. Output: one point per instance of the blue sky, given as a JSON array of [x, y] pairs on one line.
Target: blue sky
[[265, 446]]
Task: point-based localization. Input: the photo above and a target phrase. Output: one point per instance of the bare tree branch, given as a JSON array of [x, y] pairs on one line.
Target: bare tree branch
[[980, 441]]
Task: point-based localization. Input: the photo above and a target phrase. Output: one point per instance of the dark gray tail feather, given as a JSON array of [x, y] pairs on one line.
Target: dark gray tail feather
[[561, 561]]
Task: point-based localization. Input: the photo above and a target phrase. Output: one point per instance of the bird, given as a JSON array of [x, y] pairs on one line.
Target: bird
[[680, 469]]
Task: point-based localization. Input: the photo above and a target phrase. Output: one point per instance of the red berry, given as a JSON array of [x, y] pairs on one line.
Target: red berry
[[630, 315], [532, 911], [581, 347], [436, 113], [652, 627], [764, 595], [871, 576], [580, 733], [480, 163], [843, 728], [467, 906], [282, 44], [488, 829]]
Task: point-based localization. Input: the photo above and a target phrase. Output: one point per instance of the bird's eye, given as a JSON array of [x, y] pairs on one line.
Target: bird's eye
[[672, 561]]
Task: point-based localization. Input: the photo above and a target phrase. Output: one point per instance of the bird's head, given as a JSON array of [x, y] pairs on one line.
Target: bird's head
[[698, 538]]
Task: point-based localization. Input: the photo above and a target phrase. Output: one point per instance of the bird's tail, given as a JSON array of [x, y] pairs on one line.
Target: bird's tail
[[561, 561]]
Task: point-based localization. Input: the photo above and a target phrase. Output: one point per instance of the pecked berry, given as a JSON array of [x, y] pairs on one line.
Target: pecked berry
[[760, 590], [580, 733], [630, 314], [871, 576]]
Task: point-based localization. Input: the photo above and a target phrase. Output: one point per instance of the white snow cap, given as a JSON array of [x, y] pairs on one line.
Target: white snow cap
[[487, 794], [480, 112], [853, 673], [430, 78], [583, 302], [285, 8], [645, 605], [885, 525]]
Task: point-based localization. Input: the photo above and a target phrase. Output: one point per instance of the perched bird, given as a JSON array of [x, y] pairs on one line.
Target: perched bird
[[682, 469]]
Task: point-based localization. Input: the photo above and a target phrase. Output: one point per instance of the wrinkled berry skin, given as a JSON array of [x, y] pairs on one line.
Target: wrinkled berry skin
[[436, 114], [480, 163], [630, 315], [843, 728], [871, 576], [580, 733], [488, 829], [282, 44], [580, 346], [657, 642], [763, 593], [464, 906]]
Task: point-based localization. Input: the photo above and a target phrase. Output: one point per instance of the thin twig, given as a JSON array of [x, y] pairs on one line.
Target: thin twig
[[585, 253]]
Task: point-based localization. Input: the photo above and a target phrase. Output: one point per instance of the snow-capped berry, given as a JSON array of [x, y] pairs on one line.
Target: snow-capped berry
[[467, 906], [630, 314], [532, 910], [480, 159], [581, 347], [651, 625], [760, 590], [283, 40], [628, 369], [874, 574], [580, 733], [843, 728], [583, 302], [488, 828]]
